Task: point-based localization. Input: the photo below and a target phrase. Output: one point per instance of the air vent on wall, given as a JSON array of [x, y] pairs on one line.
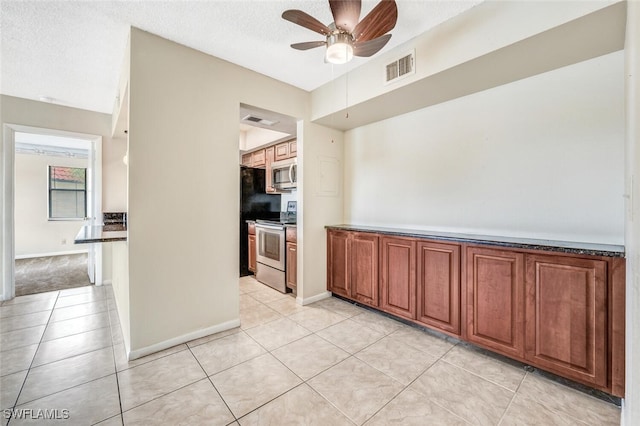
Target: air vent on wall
[[258, 120], [400, 68]]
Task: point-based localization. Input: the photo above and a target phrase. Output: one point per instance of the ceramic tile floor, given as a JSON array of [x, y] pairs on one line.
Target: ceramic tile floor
[[329, 363]]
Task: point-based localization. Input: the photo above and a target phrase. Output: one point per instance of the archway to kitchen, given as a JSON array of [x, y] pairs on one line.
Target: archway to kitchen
[[11, 135], [268, 259]]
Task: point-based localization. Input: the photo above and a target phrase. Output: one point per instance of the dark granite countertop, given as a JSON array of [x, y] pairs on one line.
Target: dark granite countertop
[[592, 249], [101, 234]]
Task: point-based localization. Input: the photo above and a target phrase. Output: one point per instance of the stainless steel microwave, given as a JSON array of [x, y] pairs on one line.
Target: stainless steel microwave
[[284, 174]]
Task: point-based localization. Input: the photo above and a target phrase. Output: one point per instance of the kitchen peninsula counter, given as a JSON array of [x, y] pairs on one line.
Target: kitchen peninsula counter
[[569, 247], [101, 234]]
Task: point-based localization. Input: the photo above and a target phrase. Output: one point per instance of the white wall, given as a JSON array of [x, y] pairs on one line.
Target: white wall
[[631, 403], [35, 234], [114, 176], [541, 158]]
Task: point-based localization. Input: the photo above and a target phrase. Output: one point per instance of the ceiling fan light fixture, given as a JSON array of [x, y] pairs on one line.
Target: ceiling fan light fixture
[[339, 48]]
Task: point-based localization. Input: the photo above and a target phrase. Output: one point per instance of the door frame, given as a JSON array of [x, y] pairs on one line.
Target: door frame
[[7, 199]]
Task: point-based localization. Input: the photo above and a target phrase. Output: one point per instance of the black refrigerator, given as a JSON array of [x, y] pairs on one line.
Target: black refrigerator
[[255, 203]]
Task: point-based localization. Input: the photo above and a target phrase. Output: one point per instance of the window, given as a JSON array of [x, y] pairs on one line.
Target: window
[[67, 192]]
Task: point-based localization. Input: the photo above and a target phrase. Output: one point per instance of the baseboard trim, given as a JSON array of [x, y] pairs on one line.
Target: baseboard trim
[[148, 350], [57, 253], [107, 282], [309, 300]]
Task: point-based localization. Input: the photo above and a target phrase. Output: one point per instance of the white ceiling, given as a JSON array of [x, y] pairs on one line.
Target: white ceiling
[[71, 52]]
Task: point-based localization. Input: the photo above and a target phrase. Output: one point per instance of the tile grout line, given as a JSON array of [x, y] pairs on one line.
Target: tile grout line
[[31, 367], [212, 384], [506, 410], [15, 404], [115, 364]]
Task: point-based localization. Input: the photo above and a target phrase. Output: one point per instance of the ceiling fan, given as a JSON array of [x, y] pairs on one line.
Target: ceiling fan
[[346, 37]]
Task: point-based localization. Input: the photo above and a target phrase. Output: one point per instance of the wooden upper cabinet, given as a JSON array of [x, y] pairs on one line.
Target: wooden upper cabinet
[[293, 148], [495, 299], [566, 316], [259, 158], [439, 285], [255, 159], [363, 250], [269, 154], [338, 263], [398, 276], [282, 151]]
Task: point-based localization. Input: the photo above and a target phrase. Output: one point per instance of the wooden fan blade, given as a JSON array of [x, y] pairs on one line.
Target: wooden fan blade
[[308, 45], [305, 20], [370, 47], [378, 22], [346, 13]]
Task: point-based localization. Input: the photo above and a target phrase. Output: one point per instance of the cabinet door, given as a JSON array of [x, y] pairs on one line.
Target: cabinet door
[[268, 158], [293, 148], [439, 285], [338, 263], [247, 159], [398, 279], [566, 313], [252, 253], [495, 300], [282, 151], [292, 265], [259, 158], [363, 265]]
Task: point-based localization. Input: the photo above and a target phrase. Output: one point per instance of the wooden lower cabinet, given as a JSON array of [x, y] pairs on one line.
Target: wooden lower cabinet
[[363, 267], [566, 316], [438, 281], [495, 299], [398, 276], [338, 263], [292, 265], [252, 253], [563, 313], [352, 267]]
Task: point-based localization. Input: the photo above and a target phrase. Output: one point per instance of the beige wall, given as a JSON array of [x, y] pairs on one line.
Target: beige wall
[[183, 187], [320, 203], [35, 234], [539, 158]]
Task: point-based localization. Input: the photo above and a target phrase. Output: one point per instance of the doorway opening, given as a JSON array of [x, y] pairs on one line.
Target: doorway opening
[[268, 203], [51, 188]]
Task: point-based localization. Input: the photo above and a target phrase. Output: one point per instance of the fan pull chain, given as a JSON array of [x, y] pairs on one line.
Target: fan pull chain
[[346, 108]]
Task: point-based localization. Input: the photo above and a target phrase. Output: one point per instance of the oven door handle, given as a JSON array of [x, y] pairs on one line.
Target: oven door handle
[[274, 227]]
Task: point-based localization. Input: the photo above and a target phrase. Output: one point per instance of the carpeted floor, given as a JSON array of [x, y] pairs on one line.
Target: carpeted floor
[[40, 274]]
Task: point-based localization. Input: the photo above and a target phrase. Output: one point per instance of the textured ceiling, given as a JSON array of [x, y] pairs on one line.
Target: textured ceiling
[[71, 52]]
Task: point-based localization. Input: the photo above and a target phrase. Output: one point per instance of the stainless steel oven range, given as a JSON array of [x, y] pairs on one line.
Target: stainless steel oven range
[[270, 247]]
